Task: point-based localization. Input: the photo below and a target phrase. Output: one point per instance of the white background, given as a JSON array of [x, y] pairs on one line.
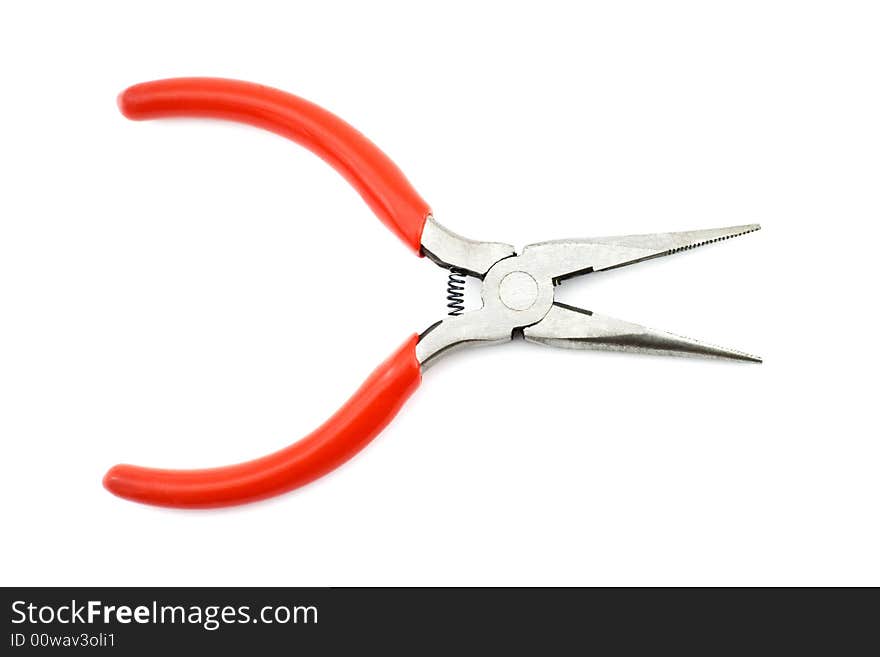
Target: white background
[[190, 293]]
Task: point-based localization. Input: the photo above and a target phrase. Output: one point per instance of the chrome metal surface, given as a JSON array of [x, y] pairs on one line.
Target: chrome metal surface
[[573, 328], [494, 321], [518, 293], [449, 249], [518, 290], [563, 259]]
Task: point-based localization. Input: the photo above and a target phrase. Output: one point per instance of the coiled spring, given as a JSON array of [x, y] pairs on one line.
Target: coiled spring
[[455, 291]]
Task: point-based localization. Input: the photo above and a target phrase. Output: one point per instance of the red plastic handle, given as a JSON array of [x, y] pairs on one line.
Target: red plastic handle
[[376, 178], [354, 425]]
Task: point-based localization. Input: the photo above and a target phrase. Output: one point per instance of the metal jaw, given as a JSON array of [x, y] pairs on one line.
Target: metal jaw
[[518, 293]]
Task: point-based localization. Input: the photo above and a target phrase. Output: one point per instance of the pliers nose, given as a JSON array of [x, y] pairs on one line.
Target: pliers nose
[[517, 291]]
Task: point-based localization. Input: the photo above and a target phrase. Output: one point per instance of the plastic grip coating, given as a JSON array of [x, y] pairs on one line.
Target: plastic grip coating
[[376, 178], [354, 425]]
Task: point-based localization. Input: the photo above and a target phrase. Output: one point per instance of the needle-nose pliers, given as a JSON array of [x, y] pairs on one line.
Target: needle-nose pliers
[[517, 290]]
